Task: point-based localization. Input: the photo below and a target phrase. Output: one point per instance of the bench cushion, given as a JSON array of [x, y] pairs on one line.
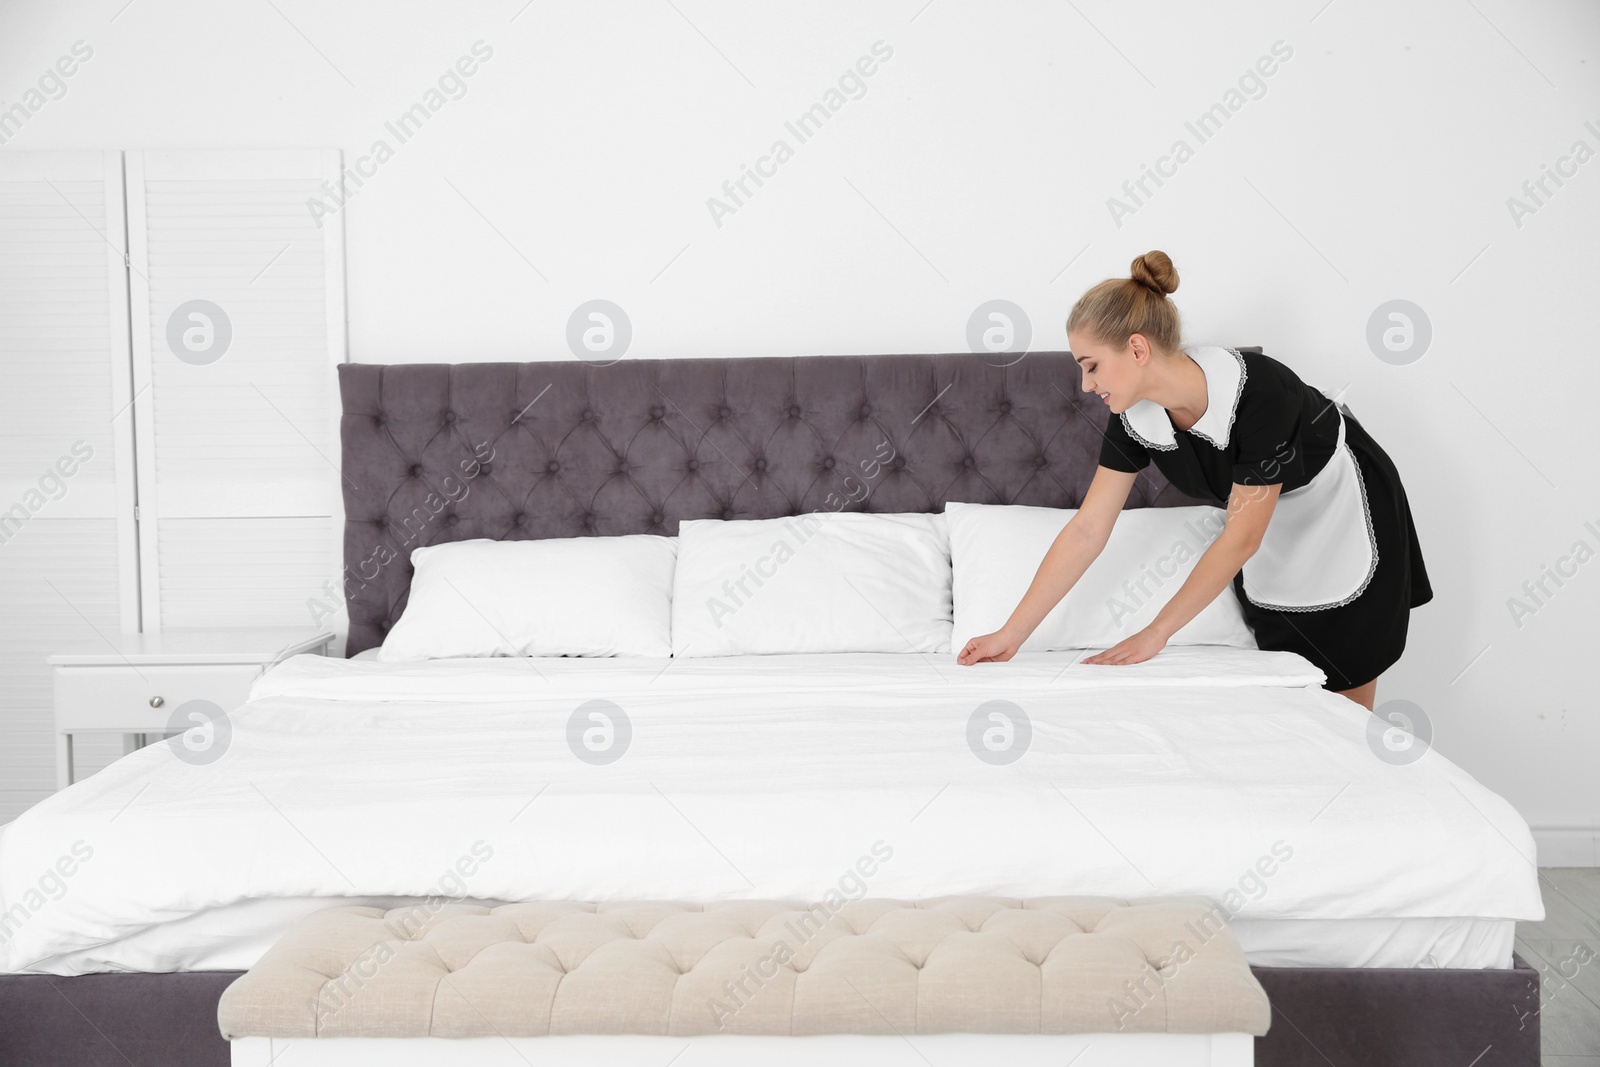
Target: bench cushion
[[962, 964]]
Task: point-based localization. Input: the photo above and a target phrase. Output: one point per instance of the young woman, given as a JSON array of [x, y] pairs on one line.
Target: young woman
[[1318, 542]]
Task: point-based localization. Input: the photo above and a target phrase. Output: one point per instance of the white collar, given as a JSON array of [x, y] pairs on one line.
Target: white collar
[[1148, 423]]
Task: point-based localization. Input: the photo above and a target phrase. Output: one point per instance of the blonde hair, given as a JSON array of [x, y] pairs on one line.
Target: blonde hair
[[1117, 308]]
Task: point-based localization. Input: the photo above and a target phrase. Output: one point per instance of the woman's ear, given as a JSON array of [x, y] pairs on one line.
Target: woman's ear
[[1139, 348]]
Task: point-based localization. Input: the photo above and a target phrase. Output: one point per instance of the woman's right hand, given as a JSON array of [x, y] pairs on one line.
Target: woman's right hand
[[990, 648]]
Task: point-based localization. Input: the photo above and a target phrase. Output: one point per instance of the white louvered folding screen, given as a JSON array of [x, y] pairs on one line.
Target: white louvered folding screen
[[150, 476], [238, 324], [67, 547]]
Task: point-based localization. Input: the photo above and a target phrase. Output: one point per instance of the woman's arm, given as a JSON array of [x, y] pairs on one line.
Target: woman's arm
[[1249, 509], [1074, 548]]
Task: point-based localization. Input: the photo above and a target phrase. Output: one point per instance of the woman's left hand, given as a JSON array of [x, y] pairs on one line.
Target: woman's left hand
[[1136, 649]]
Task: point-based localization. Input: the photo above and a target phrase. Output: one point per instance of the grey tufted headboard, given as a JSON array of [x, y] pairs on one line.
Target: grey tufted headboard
[[446, 452]]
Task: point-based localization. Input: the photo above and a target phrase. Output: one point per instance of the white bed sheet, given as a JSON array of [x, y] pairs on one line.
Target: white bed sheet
[[769, 777], [234, 937]]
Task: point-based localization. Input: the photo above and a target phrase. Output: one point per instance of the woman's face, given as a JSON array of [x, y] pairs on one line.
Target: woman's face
[[1108, 370]]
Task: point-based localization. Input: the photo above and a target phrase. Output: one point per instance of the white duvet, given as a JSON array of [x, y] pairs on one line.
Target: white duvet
[[1222, 772]]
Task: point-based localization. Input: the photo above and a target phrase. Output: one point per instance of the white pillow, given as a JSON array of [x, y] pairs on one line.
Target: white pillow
[[562, 596], [996, 549], [825, 581]]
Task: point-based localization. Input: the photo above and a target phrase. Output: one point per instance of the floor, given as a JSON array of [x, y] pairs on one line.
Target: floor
[[1566, 950]]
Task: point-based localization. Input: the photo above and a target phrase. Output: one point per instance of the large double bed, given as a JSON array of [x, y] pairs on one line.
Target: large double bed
[[1375, 898]]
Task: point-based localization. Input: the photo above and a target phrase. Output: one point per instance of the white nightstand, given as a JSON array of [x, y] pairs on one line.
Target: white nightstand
[[133, 685]]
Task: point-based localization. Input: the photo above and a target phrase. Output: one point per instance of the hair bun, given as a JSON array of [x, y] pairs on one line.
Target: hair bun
[[1155, 270]]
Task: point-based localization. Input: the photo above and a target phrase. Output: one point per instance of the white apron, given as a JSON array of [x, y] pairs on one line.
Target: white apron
[[1319, 550]]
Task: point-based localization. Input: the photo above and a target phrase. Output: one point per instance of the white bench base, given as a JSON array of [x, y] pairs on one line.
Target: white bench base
[[729, 1050]]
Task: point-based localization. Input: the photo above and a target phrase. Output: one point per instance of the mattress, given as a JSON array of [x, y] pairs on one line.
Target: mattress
[[1221, 772]]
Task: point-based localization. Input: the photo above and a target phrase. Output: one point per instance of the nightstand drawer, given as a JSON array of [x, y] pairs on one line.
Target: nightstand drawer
[[119, 698]]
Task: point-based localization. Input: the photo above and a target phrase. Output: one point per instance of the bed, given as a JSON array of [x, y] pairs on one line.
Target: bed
[[1375, 900]]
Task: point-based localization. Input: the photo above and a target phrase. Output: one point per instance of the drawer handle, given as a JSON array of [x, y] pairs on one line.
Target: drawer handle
[[156, 702]]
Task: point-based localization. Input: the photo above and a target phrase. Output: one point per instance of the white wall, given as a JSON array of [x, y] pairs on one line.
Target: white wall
[[1375, 166]]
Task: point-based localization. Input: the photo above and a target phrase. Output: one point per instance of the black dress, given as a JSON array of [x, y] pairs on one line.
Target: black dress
[[1337, 578]]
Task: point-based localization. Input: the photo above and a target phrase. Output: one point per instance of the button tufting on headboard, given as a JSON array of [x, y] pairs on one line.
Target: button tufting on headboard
[[587, 450]]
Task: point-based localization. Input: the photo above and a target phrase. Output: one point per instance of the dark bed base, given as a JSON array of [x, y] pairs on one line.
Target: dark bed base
[[1400, 1017], [1320, 1016]]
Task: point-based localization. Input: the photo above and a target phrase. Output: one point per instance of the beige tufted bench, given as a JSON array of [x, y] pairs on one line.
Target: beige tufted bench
[[1066, 965]]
